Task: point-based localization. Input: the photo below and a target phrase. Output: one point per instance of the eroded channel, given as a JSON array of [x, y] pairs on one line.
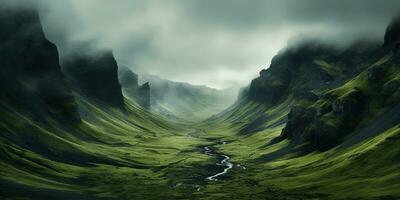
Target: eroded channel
[[223, 161]]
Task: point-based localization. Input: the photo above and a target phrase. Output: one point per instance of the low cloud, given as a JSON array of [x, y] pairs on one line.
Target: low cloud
[[220, 43]]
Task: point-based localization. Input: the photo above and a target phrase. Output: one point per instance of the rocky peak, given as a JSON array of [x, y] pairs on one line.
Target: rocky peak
[[392, 35], [143, 95], [293, 65], [309, 66], [95, 77], [20, 24], [30, 75], [129, 82]]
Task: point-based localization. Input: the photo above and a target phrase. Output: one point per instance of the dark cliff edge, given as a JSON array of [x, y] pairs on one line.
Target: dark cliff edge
[[336, 91], [95, 77], [392, 34], [130, 85], [309, 66], [30, 75], [143, 95]]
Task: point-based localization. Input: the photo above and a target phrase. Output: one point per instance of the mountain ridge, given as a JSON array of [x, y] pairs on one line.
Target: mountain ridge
[[35, 82], [320, 123], [186, 101]]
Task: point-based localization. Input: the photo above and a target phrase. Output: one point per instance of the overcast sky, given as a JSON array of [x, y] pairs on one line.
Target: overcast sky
[[219, 43]]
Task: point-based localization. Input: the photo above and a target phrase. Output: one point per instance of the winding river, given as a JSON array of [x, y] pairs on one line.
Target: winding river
[[224, 161]]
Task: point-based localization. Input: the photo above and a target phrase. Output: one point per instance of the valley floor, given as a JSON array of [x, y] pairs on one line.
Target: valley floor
[[147, 157]]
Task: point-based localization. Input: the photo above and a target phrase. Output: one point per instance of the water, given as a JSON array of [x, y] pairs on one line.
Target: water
[[224, 162]]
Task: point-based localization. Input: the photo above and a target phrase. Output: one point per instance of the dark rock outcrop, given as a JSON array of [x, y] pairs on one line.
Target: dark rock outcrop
[[95, 77], [130, 84], [298, 119], [323, 127], [307, 67], [350, 105], [376, 73], [323, 121], [304, 72], [30, 75], [143, 95], [391, 92], [392, 34]]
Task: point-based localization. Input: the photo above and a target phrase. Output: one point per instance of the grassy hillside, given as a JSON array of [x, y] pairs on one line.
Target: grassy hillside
[[360, 159], [320, 123], [135, 154], [110, 154]]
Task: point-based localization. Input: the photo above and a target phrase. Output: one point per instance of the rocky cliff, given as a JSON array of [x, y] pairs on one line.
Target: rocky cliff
[[392, 34], [30, 75], [127, 78], [309, 66], [142, 95], [335, 91], [95, 77], [130, 85]]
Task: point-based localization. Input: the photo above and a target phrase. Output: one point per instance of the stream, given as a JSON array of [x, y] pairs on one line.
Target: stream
[[223, 164], [224, 161]]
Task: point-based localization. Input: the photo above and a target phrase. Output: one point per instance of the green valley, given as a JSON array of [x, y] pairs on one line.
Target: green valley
[[321, 122]]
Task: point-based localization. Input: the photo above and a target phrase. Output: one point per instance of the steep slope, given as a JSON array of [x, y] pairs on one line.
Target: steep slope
[[109, 155], [49, 151], [392, 33], [131, 88], [320, 123], [143, 95], [95, 77], [309, 66], [30, 74]]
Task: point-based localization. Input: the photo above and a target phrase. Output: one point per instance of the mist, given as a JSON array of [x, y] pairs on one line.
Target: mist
[[221, 44]]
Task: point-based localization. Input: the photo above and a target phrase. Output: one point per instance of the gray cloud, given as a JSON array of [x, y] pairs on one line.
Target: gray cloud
[[220, 43]]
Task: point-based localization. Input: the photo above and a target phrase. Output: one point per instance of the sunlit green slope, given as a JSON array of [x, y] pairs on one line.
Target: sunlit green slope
[[110, 154], [361, 160], [320, 123]]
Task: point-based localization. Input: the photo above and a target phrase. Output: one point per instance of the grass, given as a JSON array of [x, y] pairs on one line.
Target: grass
[[142, 155], [128, 161]]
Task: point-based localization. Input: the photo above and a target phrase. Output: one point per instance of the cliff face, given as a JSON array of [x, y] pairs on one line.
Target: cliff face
[[30, 75], [392, 35], [334, 91], [130, 85], [95, 77], [307, 67], [142, 96]]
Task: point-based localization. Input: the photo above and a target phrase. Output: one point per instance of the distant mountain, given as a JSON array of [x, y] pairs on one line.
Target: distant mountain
[[185, 100], [131, 88], [46, 145], [322, 122]]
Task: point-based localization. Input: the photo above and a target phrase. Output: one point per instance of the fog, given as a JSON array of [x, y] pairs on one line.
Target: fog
[[221, 44]]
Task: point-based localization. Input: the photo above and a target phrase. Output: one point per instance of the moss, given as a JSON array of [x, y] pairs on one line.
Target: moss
[[326, 67], [142, 155]]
